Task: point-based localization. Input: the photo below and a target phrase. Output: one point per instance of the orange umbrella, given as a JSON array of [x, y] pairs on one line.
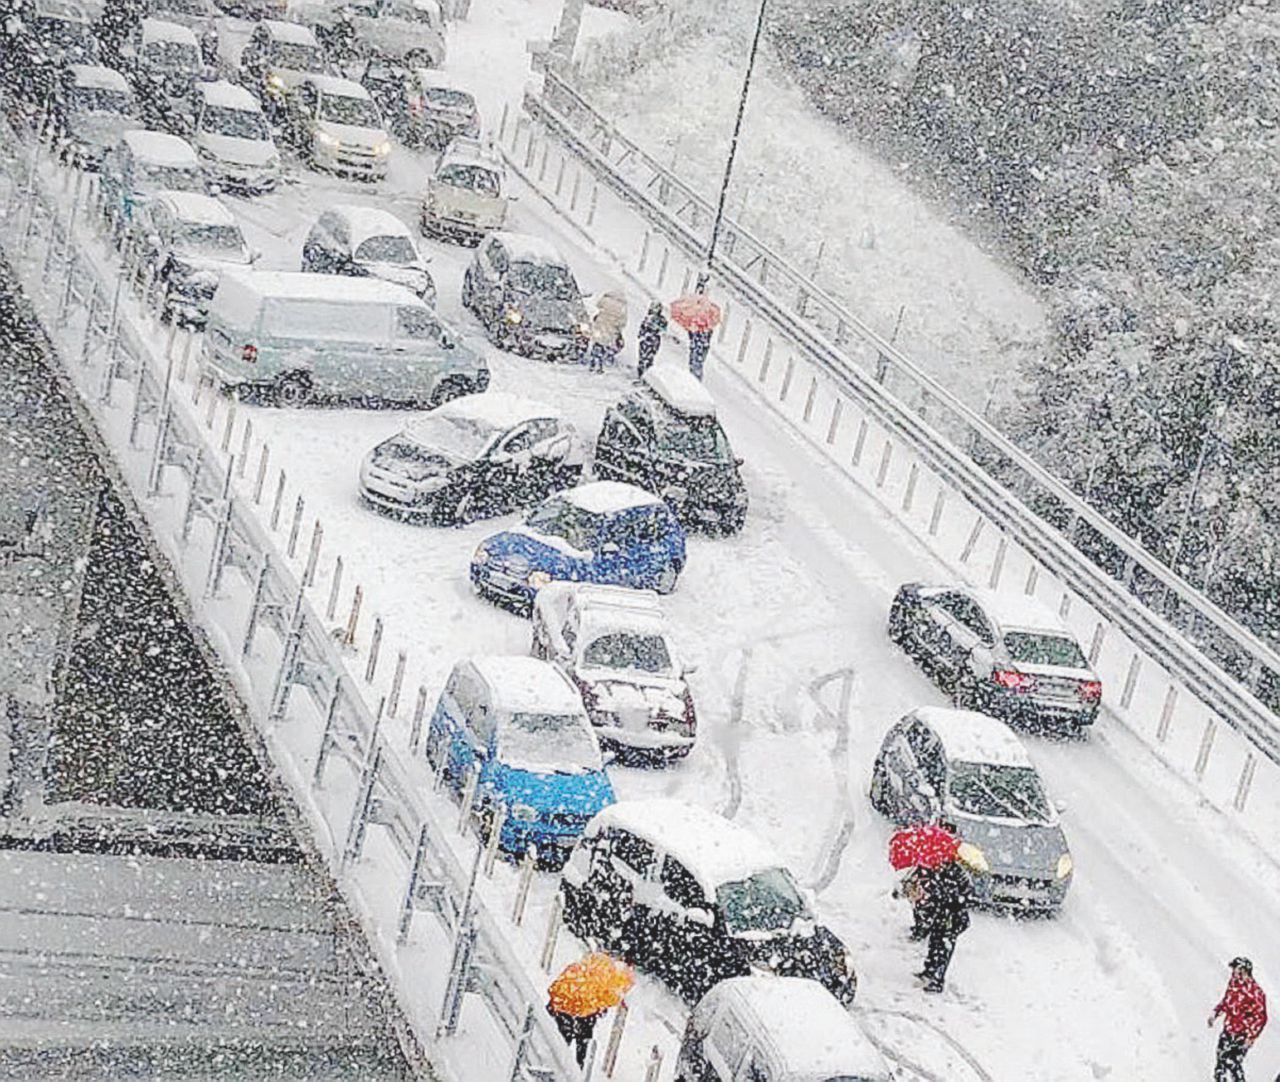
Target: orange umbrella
[[696, 312], [591, 985]]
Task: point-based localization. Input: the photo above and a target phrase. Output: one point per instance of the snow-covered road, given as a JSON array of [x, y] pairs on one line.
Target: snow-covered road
[[1117, 987]]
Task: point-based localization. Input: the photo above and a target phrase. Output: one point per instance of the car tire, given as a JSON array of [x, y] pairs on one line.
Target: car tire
[[665, 582], [293, 391], [449, 389]]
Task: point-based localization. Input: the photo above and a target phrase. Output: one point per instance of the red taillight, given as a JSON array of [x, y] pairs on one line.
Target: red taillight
[[1090, 690], [415, 106], [1014, 681], [249, 354]]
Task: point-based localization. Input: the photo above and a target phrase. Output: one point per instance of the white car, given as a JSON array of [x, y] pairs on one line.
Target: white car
[[367, 242], [234, 140], [336, 126], [612, 642], [465, 198]]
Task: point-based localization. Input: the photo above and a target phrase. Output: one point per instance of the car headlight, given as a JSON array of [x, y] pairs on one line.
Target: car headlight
[[274, 82], [481, 556], [971, 855], [383, 148], [325, 139], [582, 328], [538, 579], [1065, 865], [523, 813], [514, 316], [846, 963]]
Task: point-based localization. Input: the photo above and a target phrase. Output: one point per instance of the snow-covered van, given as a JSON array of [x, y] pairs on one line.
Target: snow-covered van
[[775, 1029], [233, 139], [465, 197], [96, 107], [143, 163], [294, 336]]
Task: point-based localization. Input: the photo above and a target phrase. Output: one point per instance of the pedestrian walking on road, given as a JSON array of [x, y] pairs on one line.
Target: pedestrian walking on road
[[699, 316], [584, 991], [606, 330], [944, 910], [1243, 1008], [652, 328]]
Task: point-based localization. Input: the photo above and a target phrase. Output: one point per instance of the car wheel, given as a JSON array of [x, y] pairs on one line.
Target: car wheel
[[666, 580], [293, 391], [448, 389]]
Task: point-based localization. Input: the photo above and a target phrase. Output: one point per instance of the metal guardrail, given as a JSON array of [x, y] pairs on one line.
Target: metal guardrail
[[1228, 666], [236, 557]]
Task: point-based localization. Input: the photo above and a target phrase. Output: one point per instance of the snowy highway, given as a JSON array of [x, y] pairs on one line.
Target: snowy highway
[[1117, 986]]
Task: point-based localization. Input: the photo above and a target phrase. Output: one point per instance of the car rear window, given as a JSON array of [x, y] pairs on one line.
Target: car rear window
[[1001, 792], [626, 650], [1039, 648]]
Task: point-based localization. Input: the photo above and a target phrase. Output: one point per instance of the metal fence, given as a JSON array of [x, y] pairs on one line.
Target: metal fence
[[1109, 568], [1199, 718], [288, 667]]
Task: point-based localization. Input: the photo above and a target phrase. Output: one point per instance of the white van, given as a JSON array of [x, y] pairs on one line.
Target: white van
[[295, 336], [233, 139], [776, 1029]]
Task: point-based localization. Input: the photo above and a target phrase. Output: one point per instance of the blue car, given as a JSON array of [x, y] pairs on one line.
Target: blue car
[[523, 724], [604, 532]]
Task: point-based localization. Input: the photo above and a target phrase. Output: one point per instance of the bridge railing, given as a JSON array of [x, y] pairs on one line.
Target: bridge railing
[[1193, 683]]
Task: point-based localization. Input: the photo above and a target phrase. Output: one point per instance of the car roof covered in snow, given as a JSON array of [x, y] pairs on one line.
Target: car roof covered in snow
[[160, 148], [66, 10], [162, 30], [470, 152], [1018, 610], [680, 389], [491, 409], [338, 86], [971, 737], [98, 77], [197, 208], [814, 1038], [430, 77], [609, 497], [240, 293], [598, 620], [713, 849], [294, 33], [229, 96], [366, 222], [526, 248], [525, 685]]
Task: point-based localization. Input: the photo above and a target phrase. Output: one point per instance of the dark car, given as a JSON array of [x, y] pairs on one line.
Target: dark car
[[92, 110], [664, 436], [525, 295], [479, 455], [695, 899], [972, 772], [1007, 656], [365, 242], [165, 64], [58, 33], [277, 58], [440, 112]]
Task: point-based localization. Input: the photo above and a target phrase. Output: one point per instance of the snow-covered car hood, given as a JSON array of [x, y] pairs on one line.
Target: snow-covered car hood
[[411, 276], [237, 151], [448, 199], [1015, 848], [547, 314], [99, 129], [352, 135]]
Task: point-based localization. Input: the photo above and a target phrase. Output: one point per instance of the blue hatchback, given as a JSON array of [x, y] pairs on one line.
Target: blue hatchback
[[523, 724], [604, 532]]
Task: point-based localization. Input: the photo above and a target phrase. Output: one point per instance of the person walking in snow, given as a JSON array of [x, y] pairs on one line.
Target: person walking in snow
[[947, 896], [1243, 1008], [606, 330], [699, 315], [652, 328]]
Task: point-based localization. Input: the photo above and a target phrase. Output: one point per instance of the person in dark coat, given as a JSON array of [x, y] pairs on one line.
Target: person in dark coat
[[947, 896], [652, 328], [577, 1031], [1243, 1008]]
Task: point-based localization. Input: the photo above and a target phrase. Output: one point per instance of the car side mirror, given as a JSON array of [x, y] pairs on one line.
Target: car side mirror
[[1060, 806], [609, 548], [447, 343], [701, 915]]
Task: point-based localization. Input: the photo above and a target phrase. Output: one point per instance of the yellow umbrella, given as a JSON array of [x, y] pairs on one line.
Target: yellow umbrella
[[591, 985]]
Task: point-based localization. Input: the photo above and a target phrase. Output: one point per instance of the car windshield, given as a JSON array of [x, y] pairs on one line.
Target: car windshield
[[1041, 648], [175, 55], [997, 791], [461, 439], [387, 249], [236, 123], [297, 56], [628, 650], [473, 178], [407, 457], [543, 279], [177, 178], [65, 34], [448, 98], [766, 902], [213, 241], [343, 109], [548, 744], [96, 99], [701, 440], [180, 7], [560, 518]]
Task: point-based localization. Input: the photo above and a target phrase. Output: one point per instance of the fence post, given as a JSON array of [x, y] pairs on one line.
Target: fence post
[[264, 457], [497, 819], [553, 932], [527, 867], [419, 712], [349, 636], [997, 568], [375, 645], [615, 1039], [1166, 713], [332, 607], [294, 529], [654, 1068], [397, 679], [313, 554], [468, 794]]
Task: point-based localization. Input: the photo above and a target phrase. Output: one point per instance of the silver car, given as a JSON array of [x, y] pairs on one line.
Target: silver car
[[970, 771]]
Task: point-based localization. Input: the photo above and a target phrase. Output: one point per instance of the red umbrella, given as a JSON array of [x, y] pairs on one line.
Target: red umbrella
[[696, 312], [928, 846]]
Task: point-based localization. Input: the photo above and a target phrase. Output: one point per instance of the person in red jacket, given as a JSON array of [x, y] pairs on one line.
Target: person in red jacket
[[1243, 1007]]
